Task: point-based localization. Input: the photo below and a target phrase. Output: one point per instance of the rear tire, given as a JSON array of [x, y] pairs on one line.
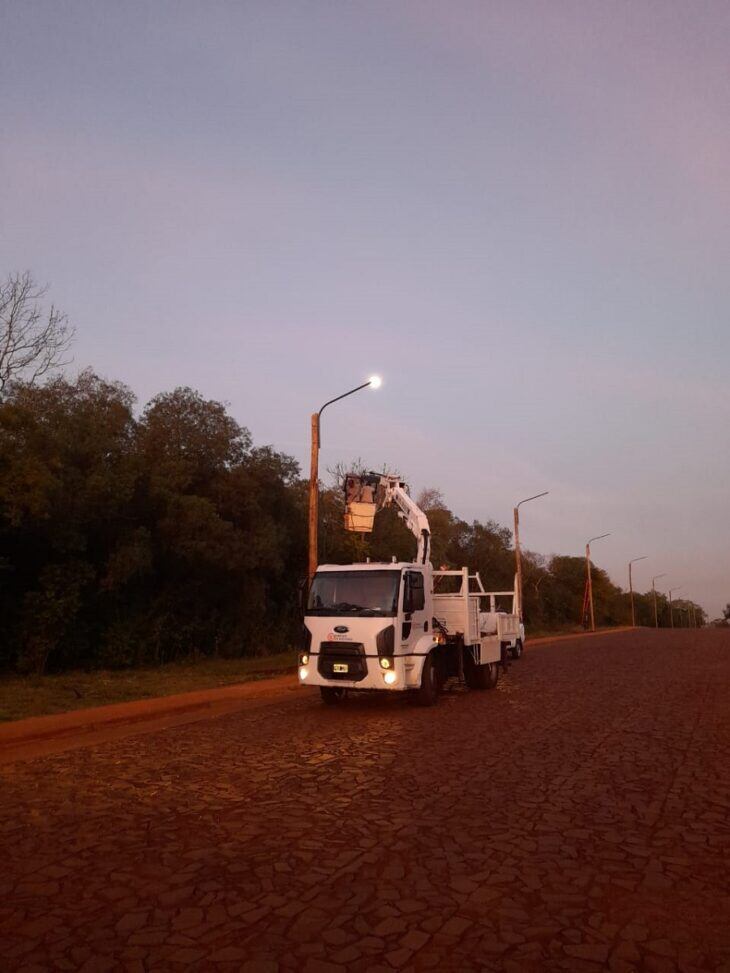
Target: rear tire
[[485, 676], [332, 695], [482, 677], [428, 692], [517, 649]]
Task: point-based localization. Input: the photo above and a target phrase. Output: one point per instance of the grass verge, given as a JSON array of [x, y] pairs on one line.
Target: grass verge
[[21, 697]]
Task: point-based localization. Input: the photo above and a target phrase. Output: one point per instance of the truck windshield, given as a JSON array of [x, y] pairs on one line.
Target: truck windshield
[[354, 593]]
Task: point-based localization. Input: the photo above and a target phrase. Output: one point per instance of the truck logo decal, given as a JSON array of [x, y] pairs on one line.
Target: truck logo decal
[[341, 628]]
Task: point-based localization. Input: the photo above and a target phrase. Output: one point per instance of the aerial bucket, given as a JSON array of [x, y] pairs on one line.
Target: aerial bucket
[[361, 502]]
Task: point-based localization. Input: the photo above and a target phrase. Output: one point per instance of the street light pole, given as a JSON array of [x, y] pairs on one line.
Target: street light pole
[[631, 588], [653, 591], [589, 576], [671, 610], [373, 382], [518, 551]]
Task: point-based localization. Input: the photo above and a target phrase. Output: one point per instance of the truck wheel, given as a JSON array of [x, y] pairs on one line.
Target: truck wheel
[[483, 677], [505, 652], [516, 651], [332, 695], [428, 692]]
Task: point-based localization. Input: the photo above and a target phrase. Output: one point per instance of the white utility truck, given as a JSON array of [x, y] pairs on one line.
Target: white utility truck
[[401, 626]]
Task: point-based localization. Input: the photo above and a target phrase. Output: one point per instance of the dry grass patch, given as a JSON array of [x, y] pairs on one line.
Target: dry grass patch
[[21, 697]]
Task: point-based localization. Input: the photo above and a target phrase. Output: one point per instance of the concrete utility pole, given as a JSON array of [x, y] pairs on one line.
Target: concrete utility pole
[[631, 588], [374, 382], [653, 591], [671, 610], [589, 576], [518, 551]]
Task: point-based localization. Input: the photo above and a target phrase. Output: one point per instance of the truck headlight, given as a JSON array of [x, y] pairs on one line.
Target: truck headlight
[[303, 672], [390, 678], [385, 662], [304, 659]]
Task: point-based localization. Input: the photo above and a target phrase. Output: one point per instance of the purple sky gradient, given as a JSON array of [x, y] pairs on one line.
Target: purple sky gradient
[[518, 213]]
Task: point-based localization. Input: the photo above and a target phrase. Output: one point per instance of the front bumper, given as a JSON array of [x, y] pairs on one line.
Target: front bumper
[[368, 673]]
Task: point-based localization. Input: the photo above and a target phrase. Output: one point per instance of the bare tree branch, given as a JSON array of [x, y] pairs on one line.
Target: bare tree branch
[[32, 341]]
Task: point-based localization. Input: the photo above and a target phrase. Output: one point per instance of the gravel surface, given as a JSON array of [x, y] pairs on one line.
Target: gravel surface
[[575, 818]]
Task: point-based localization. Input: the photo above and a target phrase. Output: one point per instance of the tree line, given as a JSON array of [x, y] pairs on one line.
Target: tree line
[[135, 539], [141, 538]]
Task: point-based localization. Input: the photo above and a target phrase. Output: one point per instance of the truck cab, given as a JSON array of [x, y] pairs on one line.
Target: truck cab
[[367, 626]]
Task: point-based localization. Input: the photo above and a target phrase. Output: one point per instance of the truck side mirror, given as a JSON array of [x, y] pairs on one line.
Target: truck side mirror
[[302, 592]]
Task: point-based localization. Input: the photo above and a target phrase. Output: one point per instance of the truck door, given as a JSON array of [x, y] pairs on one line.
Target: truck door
[[415, 620]]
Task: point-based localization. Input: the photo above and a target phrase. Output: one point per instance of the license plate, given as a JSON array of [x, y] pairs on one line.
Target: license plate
[[340, 667]]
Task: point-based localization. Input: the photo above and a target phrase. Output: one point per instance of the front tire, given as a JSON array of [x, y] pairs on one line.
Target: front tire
[[483, 677], [332, 695], [428, 692], [517, 649]]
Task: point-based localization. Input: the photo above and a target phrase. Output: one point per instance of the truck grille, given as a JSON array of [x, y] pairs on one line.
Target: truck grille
[[333, 655]]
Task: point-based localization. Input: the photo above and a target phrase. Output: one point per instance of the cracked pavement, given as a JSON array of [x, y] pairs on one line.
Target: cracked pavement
[[575, 818]]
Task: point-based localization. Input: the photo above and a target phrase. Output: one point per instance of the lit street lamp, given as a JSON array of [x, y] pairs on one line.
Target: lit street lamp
[[671, 612], [589, 577], [631, 588], [373, 382], [518, 552], [653, 591]]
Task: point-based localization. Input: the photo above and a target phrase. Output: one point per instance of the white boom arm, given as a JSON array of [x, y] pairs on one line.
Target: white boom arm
[[395, 493], [365, 493]]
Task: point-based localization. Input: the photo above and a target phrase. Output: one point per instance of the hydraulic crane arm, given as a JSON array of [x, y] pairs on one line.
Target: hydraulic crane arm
[[374, 491], [396, 493]]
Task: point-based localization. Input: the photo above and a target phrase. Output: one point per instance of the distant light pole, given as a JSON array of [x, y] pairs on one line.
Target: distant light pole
[[631, 588], [653, 591], [518, 551], [589, 576], [671, 612], [373, 382]]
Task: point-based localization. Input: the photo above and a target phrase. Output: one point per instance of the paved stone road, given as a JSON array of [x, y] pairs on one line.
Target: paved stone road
[[577, 818]]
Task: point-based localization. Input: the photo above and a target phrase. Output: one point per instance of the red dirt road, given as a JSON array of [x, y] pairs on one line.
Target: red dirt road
[[578, 817]]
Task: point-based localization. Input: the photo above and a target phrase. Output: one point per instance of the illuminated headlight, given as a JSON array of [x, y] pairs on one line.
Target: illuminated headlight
[[390, 678], [303, 672], [304, 659], [385, 663]]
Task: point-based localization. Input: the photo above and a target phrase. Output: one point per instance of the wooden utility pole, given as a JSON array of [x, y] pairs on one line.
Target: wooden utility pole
[[671, 605], [589, 587], [373, 382], [518, 550], [631, 589], [589, 577], [653, 590], [518, 559], [631, 596], [314, 498]]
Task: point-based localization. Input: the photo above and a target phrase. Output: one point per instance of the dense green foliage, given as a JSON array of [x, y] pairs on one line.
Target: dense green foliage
[[126, 540], [131, 539]]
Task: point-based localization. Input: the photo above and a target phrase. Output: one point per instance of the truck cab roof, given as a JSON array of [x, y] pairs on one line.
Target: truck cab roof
[[372, 566]]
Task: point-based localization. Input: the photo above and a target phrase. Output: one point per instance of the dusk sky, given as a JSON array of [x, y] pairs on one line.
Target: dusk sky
[[518, 213]]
